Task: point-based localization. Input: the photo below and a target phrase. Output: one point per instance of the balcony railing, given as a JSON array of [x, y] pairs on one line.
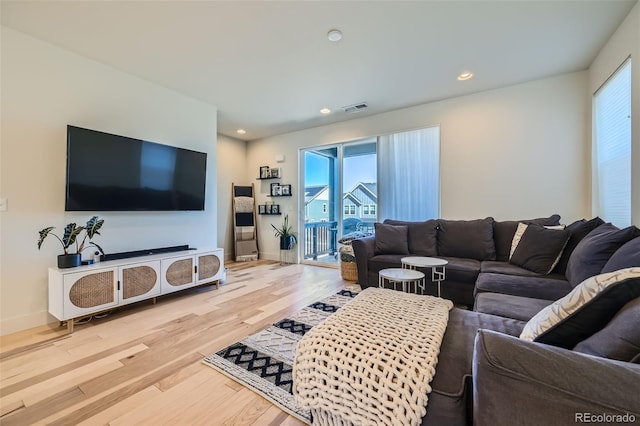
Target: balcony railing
[[320, 238]]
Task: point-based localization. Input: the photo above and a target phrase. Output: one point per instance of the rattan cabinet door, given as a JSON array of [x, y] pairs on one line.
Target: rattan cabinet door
[[178, 273], [210, 266], [90, 291], [139, 281]]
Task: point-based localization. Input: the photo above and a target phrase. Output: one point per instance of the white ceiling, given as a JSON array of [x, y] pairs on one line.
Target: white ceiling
[[269, 68]]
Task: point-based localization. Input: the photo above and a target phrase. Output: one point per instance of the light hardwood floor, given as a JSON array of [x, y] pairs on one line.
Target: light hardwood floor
[[142, 365]]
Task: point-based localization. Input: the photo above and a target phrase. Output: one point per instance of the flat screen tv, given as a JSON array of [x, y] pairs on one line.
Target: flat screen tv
[[107, 172]]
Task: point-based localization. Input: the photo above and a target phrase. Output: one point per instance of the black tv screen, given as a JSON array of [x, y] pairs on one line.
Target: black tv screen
[[107, 172]]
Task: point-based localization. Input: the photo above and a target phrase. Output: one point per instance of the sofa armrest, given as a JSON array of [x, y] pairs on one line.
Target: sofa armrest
[[525, 383], [363, 250]]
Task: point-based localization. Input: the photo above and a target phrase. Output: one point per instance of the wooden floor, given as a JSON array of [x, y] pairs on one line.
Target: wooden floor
[[142, 365]]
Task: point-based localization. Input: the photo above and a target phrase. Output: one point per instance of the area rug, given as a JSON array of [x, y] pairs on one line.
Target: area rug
[[263, 361]]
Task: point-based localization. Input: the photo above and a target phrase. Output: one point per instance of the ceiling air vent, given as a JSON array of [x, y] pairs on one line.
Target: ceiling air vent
[[355, 107]]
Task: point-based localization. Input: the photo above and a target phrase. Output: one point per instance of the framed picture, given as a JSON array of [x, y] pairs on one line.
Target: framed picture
[[268, 208], [262, 209], [285, 190], [275, 209], [274, 173], [276, 190], [264, 172]]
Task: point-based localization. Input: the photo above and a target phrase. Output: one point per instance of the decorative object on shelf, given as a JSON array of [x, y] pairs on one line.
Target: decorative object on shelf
[[269, 209], [269, 173], [288, 238], [280, 190], [276, 190], [71, 235]]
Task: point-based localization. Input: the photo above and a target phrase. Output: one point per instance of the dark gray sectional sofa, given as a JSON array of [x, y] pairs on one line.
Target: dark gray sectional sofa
[[471, 247], [486, 374]]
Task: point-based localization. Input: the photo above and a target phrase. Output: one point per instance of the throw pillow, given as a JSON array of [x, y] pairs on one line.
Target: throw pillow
[[619, 339], [595, 249], [503, 233], [627, 256], [538, 248], [422, 236], [584, 311], [469, 239], [578, 230], [391, 239]]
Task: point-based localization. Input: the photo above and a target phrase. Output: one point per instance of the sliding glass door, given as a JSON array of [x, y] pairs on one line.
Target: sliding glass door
[[340, 197]]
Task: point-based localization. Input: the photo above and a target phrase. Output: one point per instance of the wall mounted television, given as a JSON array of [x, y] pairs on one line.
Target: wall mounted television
[[107, 172]]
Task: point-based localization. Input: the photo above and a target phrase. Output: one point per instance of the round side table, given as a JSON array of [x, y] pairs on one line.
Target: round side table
[[438, 267], [402, 276]]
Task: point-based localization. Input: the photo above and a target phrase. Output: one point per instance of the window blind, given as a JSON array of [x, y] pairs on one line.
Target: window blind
[[612, 148]]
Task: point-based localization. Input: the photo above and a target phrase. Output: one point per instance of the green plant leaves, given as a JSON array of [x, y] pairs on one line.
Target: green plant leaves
[[43, 234], [71, 232], [93, 226]]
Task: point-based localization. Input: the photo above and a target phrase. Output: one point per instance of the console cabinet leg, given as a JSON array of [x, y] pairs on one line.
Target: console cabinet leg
[[70, 325]]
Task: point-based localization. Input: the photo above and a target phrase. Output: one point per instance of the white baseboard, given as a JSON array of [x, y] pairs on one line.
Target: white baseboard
[[25, 322]]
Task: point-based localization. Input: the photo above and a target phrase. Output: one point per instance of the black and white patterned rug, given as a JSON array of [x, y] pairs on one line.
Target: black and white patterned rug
[[263, 361]]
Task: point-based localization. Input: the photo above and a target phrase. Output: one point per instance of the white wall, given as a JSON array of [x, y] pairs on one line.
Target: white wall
[[44, 88], [232, 168], [515, 152], [624, 42]]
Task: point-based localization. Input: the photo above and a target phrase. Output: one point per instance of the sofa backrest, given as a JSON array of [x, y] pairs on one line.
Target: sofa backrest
[[422, 236], [469, 239]]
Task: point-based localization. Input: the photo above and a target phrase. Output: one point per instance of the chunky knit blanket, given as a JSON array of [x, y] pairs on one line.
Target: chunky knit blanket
[[371, 362]]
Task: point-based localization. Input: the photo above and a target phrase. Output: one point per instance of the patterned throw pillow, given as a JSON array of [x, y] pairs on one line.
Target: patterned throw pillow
[[538, 248], [584, 311]]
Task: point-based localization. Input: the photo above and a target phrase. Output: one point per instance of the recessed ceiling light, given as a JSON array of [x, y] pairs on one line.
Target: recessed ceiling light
[[241, 131], [325, 111], [334, 35], [465, 76]]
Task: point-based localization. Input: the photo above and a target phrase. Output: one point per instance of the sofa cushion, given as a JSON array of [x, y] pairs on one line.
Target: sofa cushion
[[539, 248], [472, 239], [391, 239], [460, 270], [577, 230], [541, 287], [595, 249], [497, 267], [505, 305], [422, 236], [383, 261], [626, 256], [451, 394], [619, 339], [503, 232], [584, 311]]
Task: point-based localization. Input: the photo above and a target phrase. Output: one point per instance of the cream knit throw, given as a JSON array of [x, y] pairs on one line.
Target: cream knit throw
[[371, 362]]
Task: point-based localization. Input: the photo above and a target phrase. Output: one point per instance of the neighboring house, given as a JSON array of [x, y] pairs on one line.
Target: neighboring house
[[316, 203], [361, 202]]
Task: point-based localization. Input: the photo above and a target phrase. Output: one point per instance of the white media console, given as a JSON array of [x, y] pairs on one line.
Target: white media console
[[86, 290]]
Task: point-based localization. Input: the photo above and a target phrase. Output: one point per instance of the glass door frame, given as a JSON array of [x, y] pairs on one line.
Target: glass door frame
[[339, 196], [302, 200]]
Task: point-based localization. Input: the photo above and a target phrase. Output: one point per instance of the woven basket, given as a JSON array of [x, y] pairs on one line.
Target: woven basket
[[349, 271]]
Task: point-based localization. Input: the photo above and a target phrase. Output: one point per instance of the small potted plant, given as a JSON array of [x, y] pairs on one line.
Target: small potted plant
[[287, 237], [71, 236]]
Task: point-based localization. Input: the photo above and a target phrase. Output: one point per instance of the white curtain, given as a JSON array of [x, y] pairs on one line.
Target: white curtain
[[409, 175], [612, 149]]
